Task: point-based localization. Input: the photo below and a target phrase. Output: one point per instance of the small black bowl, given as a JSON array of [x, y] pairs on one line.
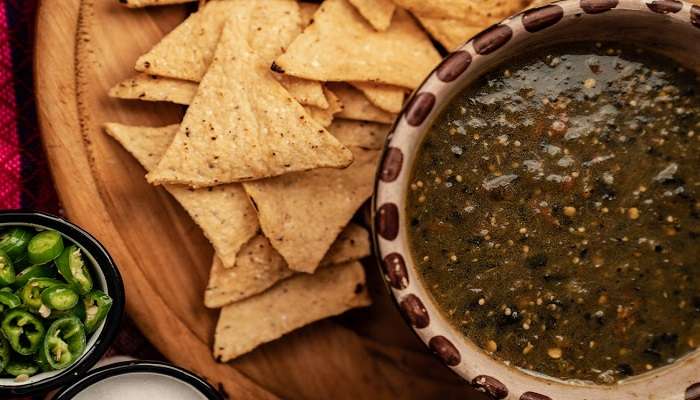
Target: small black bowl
[[105, 276], [138, 367]]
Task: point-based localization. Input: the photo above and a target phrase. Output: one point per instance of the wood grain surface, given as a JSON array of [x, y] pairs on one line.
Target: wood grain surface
[[83, 48]]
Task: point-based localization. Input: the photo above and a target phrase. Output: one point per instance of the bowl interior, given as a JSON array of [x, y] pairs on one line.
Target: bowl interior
[[639, 22], [99, 276]]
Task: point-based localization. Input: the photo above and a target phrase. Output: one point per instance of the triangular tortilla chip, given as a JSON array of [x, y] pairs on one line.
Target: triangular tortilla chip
[[243, 125], [368, 135], [155, 88], [452, 33], [388, 98], [187, 51], [224, 212], [259, 266], [341, 46], [289, 305], [325, 117], [357, 106], [148, 3], [462, 9], [376, 12], [303, 213]]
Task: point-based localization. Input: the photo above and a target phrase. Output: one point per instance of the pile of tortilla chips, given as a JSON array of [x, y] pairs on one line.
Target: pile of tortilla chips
[[288, 104]]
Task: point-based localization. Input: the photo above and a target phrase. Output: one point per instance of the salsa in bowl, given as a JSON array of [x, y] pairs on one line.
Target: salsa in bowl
[[537, 211], [61, 301]]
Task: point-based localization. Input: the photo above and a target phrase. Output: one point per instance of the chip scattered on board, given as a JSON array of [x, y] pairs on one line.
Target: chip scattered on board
[[325, 117], [303, 213], [388, 98], [243, 125], [357, 106], [224, 212], [368, 135], [155, 88], [259, 266], [376, 12], [187, 51], [341, 46], [460, 9], [307, 13], [148, 3], [287, 306]]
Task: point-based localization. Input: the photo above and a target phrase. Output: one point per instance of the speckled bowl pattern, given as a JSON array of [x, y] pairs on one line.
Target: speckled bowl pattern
[[670, 27]]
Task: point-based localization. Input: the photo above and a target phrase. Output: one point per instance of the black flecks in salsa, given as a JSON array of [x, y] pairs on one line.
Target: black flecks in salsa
[[555, 212]]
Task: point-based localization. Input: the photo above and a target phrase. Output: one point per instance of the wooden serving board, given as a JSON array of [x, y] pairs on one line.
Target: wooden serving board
[[83, 48]]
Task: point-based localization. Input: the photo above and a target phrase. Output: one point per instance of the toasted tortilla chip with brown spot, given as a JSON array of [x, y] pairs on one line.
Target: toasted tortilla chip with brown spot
[[325, 117], [376, 12], [450, 32], [303, 213], [243, 125], [388, 98], [341, 46], [356, 105], [307, 13], [368, 135], [148, 3], [155, 88], [187, 51], [463, 9], [289, 305], [259, 266], [224, 212]]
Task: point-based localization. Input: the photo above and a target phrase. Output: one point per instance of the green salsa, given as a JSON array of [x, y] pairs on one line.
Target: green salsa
[[554, 212]]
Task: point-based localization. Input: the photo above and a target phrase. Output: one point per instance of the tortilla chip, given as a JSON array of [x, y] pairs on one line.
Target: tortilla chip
[[187, 51], [376, 12], [290, 305], [450, 32], [148, 3], [259, 266], [325, 117], [388, 98], [341, 46], [224, 212], [357, 106], [303, 213], [368, 135], [307, 13], [155, 88], [243, 125], [461, 9]]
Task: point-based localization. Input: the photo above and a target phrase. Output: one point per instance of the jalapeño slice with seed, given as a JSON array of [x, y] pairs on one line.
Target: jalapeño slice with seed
[[65, 342], [24, 331], [96, 305], [44, 247], [14, 242], [35, 271], [73, 269], [7, 269], [21, 367], [32, 291]]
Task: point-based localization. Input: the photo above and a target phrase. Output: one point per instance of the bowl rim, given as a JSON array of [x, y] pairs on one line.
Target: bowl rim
[[115, 287], [394, 256], [138, 366]]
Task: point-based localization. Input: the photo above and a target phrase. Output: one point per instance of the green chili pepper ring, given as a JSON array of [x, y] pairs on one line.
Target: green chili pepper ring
[[14, 242], [97, 306], [73, 269], [24, 331], [59, 297], [64, 343], [44, 247]]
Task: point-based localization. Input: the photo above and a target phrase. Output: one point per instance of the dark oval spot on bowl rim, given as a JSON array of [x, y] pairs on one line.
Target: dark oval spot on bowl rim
[[665, 6], [391, 166], [492, 39], [543, 17], [419, 108], [695, 15], [693, 392], [444, 349], [415, 311], [454, 65], [387, 221], [598, 6], [534, 396], [395, 271], [491, 386]]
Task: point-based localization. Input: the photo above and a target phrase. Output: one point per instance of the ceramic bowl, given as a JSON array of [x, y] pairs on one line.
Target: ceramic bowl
[[667, 26], [106, 277]]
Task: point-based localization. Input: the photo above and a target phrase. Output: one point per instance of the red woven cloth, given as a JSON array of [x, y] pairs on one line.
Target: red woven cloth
[[25, 180]]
